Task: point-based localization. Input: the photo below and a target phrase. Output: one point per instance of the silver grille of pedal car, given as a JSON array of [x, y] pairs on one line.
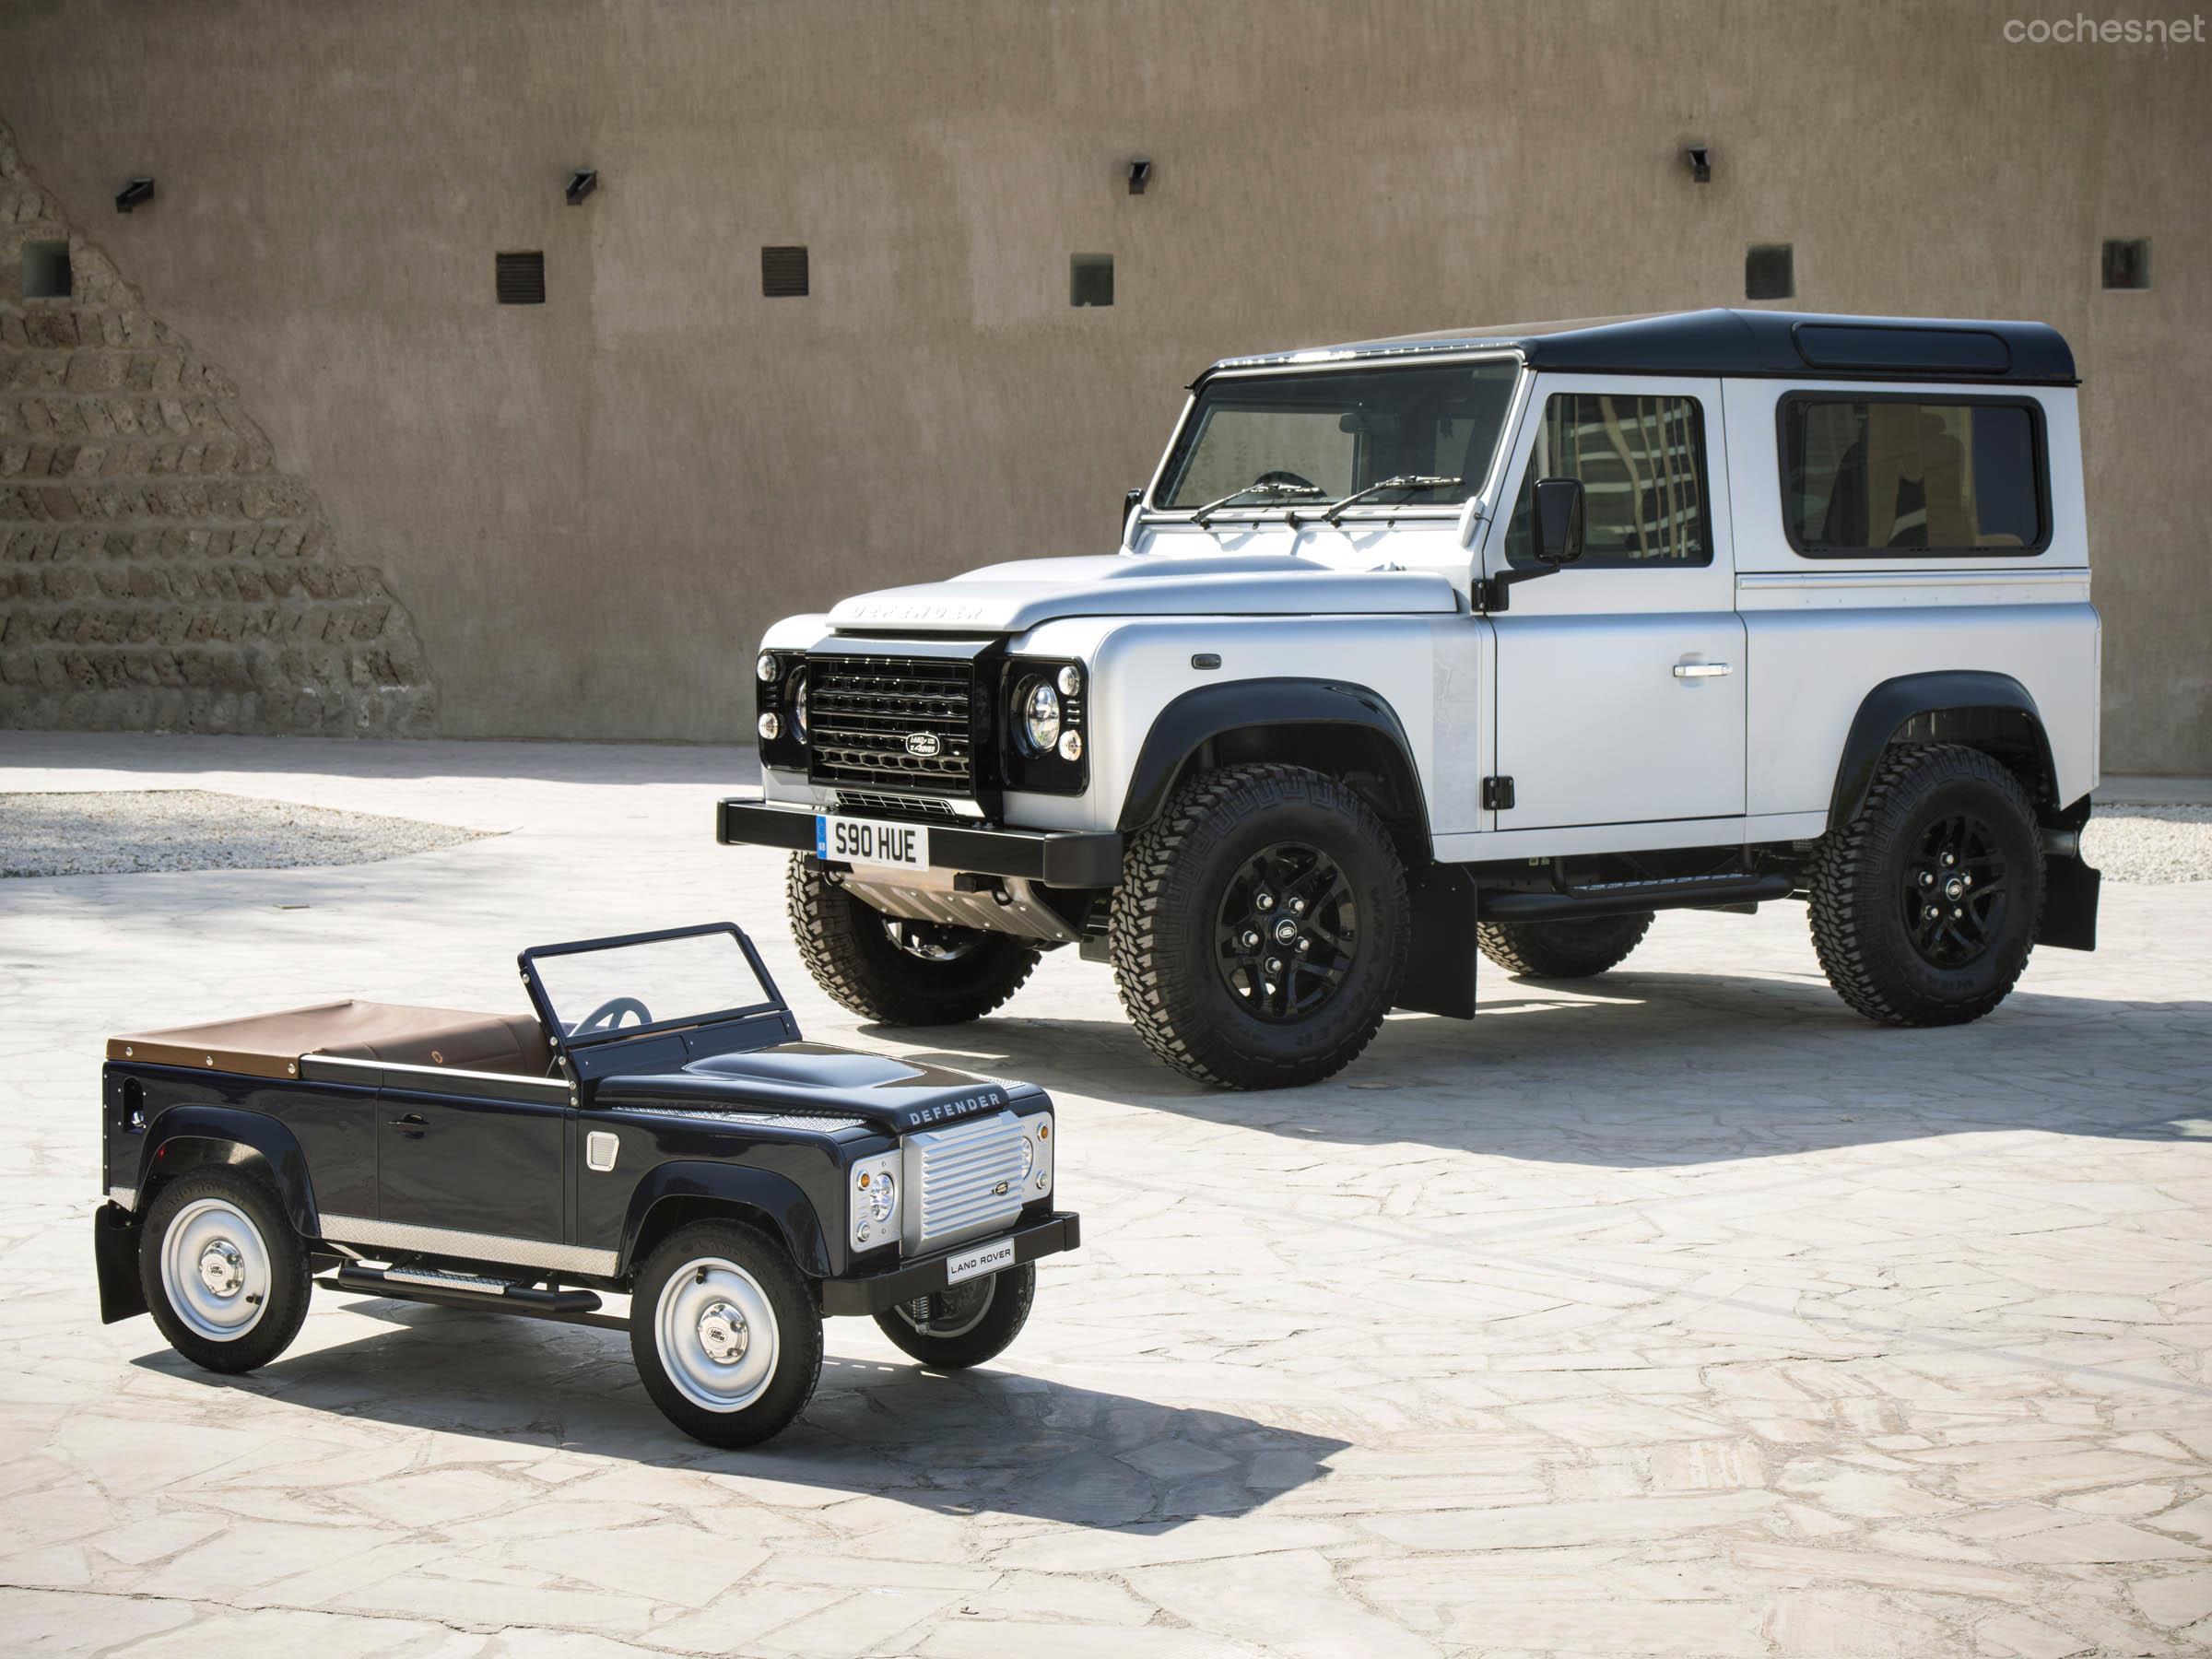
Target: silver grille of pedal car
[[891, 722], [962, 1180]]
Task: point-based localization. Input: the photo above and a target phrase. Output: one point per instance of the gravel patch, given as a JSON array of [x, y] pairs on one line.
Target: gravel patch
[[115, 832], [2152, 844]]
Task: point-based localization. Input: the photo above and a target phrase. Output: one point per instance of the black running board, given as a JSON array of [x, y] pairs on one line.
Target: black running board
[[1626, 897], [449, 1289]]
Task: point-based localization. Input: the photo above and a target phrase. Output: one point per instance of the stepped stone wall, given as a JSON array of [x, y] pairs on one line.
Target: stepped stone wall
[[157, 570]]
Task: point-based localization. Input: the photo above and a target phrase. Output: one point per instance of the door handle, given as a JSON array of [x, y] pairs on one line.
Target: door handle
[[412, 1126], [1696, 671]]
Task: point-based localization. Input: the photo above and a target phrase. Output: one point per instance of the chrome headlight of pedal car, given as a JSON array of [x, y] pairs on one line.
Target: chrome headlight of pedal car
[[1036, 1155], [875, 1201]]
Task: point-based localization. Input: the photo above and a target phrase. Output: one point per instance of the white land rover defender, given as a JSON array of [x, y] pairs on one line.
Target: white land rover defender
[[1813, 622]]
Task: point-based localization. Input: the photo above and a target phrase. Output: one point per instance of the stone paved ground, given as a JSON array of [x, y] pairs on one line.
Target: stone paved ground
[[1685, 1315]]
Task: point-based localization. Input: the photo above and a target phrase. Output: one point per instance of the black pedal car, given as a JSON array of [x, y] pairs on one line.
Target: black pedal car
[[657, 1129]]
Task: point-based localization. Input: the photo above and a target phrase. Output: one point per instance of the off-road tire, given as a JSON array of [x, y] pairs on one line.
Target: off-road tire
[[845, 946], [284, 1294], [1174, 875], [1858, 875], [1569, 949], [798, 1364], [1012, 1294]]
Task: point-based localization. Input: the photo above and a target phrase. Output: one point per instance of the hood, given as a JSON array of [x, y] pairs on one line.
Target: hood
[[1013, 598], [813, 1079]]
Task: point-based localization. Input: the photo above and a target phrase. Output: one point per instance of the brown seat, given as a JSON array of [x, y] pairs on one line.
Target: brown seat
[[271, 1045]]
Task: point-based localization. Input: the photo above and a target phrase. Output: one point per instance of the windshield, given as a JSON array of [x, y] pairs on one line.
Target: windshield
[[1429, 431], [611, 987]]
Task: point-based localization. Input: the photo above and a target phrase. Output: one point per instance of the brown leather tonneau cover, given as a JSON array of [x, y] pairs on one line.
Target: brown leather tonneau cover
[[270, 1045]]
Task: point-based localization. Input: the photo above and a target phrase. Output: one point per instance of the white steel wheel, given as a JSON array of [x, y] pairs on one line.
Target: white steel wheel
[[715, 1331], [216, 1270]]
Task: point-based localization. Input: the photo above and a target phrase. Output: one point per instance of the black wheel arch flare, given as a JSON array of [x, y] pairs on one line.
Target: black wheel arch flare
[[1336, 726], [1975, 707], [193, 1134]]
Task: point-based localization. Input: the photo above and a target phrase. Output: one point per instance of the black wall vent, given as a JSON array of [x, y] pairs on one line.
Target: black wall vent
[[45, 270], [2127, 263], [1090, 279], [784, 273], [1769, 271], [520, 278]]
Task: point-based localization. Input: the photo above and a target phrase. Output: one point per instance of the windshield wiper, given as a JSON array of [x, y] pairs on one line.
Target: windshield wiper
[[1403, 481], [1272, 490]]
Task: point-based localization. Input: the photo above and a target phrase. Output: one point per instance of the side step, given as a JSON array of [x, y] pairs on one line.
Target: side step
[[450, 1288], [1624, 897]]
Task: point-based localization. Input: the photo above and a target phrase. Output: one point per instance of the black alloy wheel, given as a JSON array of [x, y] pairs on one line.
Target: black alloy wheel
[[1288, 930], [1954, 892]]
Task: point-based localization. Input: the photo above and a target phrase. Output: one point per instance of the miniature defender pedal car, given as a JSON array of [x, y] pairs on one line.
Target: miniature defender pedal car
[[656, 1130]]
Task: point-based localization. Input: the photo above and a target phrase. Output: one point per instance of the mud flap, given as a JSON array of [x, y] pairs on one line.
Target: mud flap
[[1440, 968], [115, 1254], [2069, 919]]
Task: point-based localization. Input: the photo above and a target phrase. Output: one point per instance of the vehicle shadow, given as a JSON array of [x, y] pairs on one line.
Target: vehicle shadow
[[963, 1443], [1658, 1069]]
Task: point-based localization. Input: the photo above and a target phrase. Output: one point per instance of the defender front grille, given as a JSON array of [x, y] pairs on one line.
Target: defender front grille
[[905, 723], [961, 1180]]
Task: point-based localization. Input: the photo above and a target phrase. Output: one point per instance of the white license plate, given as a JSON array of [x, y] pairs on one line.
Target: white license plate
[[993, 1257], [871, 842]]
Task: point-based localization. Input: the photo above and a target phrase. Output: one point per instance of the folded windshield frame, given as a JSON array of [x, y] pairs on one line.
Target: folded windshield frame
[[1308, 510], [722, 963]]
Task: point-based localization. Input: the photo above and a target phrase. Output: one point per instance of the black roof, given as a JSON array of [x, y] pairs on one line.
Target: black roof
[[1798, 345]]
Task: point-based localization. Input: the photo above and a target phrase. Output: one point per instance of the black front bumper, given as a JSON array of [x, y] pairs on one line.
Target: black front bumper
[[876, 1291], [1060, 858]]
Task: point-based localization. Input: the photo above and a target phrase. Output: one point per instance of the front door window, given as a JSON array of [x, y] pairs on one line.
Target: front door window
[[1641, 461]]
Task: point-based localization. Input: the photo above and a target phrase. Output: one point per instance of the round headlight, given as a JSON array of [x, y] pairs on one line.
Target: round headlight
[[880, 1197], [766, 669], [1028, 1157], [796, 691], [1039, 715], [770, 727], [1071, 681]]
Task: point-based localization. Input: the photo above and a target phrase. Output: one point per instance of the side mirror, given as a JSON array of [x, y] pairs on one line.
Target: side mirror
[[1558, 520], [1129, 500]]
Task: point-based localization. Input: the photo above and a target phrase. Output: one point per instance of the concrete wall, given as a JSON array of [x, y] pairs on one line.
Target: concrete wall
[[158, 571], [594, 505]]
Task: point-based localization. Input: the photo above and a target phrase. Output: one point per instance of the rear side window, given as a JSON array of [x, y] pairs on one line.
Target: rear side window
[[1868, 475], [1641, 461]]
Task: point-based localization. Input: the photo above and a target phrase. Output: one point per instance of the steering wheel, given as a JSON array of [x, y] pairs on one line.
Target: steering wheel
[[1283, 476], [607, 1015]]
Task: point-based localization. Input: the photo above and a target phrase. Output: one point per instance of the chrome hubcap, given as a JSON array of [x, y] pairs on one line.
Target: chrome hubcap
[[214, 1270], [724, 1332], [715, 1331], [222, 1269]]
